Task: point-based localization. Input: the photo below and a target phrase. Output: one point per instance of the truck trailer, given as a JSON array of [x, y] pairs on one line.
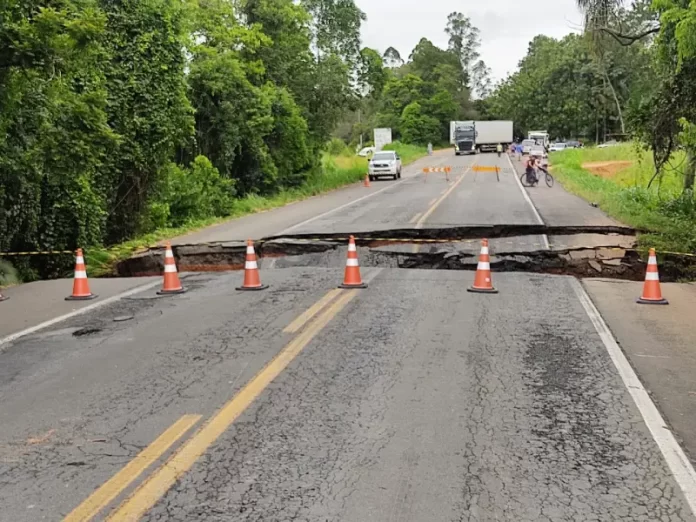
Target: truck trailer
[[471, 137]]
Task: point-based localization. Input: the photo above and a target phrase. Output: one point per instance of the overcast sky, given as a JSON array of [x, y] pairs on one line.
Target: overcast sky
[[507, 26]]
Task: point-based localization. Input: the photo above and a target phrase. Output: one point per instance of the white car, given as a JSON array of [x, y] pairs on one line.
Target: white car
[[537, 151], [556, 147], [610, 143], [384, 163], [527, 146], [366, 151]]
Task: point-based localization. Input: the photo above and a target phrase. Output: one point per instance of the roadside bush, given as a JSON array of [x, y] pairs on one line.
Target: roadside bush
[[336, 147], [197, 193], [8, 274]]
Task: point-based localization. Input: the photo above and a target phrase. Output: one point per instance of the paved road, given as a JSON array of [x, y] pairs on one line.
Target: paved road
[[410, 400]]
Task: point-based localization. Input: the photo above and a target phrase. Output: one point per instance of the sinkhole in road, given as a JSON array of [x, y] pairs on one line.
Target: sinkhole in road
[[581, 251]]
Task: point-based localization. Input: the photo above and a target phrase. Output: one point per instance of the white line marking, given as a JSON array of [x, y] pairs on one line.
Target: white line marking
[[529, 200], [88, 308], [680, 466], [307, 221]]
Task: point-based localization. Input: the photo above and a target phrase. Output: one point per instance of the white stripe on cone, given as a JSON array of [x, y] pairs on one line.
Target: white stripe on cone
[[250, 250], [80, 274], [79, 260], [168, 254], [484, 250], [652, 276], [351, 248], [168, 269], [352, 262], [652, 260], [249, 265], [484, 266]]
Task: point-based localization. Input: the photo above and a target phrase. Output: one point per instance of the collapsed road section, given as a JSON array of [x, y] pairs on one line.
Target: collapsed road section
[[582, 251]]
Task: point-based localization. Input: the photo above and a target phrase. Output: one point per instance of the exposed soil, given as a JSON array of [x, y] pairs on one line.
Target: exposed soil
[[606, 169]]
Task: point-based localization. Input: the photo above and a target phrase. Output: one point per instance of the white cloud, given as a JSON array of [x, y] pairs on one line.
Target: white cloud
[[507, 26]]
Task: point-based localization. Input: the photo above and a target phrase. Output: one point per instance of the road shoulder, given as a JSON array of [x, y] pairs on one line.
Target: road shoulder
[[660, 343]]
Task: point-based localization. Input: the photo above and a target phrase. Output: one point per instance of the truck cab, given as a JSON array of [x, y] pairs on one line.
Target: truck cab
[[465, 138], [541, 137]]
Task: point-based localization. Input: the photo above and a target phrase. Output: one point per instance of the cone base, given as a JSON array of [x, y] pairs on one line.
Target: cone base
[[482, 290], [172, 292], [642, 300], [3, 298], [251, 288], [81, 297], [358, 285]]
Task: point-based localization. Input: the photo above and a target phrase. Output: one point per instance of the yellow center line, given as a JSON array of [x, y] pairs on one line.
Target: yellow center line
[[415, 218], [114, 486], [432, 201], [442, 198], [150, 491], [307, 316]]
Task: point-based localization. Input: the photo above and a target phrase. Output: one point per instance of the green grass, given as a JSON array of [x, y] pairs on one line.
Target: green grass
[[667, 217], [337, 171]]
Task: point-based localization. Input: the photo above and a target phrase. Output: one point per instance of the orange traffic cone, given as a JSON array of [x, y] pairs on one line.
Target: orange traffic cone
[[651, 289], [482, 281], [80, 284], [366, 183], [252, 281], [171, 284], [352, 278]]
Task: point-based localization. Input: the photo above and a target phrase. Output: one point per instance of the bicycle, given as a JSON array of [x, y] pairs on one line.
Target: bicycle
[[528, 182]]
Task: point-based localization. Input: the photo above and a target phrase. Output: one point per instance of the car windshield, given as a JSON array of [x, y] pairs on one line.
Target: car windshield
[[560, 145], [383, 156]]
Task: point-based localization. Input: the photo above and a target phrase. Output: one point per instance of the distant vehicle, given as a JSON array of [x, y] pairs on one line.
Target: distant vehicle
[[537, 151], [366, 151], [384, 163], [490, 134], [541, 137], [556, 147], [527, 146], [463, 137], [610, 143], [573, 145]]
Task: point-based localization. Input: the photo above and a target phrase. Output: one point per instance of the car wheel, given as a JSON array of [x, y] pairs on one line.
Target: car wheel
[[399, 174], [372, 178]]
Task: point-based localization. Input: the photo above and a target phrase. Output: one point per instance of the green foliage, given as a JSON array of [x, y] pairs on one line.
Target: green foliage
[[337, 147], [197, 193], [120, 117], [665, 213], [8, 274], [417, 126]]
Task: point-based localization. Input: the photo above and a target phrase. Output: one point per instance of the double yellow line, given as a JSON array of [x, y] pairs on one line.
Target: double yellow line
[[155, 486]]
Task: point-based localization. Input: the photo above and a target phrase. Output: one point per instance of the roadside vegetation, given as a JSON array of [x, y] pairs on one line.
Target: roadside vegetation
[[121, 122], [621, 181]]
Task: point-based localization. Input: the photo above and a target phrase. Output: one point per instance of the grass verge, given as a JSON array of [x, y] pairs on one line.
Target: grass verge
[[336, 172], [664, 211]]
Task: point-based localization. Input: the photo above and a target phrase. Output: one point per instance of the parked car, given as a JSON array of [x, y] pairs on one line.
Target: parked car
[[573, 145], [556, 147], [384, 163], [610, 143], [527, 146], [537, 151], [366, 151]]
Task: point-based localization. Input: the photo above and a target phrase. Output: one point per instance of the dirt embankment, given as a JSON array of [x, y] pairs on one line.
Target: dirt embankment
[[606, 169]]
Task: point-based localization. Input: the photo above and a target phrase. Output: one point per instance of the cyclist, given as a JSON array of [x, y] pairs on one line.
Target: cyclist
[[499, 148], [530, 169]]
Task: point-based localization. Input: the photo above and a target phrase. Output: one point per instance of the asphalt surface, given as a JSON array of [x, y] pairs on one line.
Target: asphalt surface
[[411, 399]]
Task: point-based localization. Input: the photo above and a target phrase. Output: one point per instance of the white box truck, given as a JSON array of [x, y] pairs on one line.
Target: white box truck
[[491, 133]]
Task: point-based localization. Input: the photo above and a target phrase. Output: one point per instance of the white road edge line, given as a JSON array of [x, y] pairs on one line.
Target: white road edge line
[[27, 331], [529, 200], [673, 454], [307, 221]]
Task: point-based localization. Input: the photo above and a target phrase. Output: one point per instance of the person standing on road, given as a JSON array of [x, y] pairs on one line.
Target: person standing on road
[[519, 150], [430, 149], [500, 149], [530, 169]]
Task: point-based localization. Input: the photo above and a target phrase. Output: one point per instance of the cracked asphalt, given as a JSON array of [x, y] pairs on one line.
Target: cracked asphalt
[[416, 401]]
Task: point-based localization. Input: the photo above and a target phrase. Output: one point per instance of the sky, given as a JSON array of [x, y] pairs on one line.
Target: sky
[[507, 26]]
